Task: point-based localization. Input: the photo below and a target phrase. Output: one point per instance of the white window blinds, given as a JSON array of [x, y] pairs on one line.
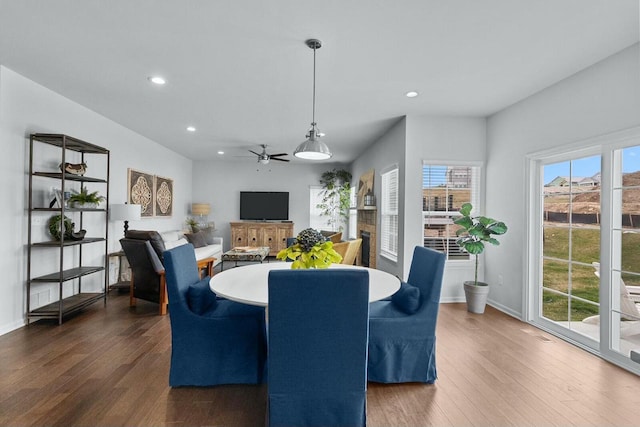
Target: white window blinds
[[445, 188], [389, 215]]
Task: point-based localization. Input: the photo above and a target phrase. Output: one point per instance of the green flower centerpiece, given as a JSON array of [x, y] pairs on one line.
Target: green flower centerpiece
[[310, 250]]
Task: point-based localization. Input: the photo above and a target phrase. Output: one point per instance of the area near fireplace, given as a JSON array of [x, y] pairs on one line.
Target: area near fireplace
[[367, 220]]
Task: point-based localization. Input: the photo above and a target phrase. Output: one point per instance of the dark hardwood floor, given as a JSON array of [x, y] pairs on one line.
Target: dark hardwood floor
[[109, 367]]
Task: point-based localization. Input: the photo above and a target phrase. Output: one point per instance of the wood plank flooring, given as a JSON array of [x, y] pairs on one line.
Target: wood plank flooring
[[109, 367]]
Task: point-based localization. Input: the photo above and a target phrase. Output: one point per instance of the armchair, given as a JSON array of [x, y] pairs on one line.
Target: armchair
[[147, 272], [402, 338], [213, 341]]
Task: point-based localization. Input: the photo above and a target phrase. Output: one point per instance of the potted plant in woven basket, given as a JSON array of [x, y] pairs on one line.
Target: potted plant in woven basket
[[310, 250], [473, 234]]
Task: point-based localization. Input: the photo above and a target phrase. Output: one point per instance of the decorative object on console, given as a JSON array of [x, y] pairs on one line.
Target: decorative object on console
[[140, 189], [311, 250], [77, 169], [84, 200], [313, 148], [125, 212], [163, 196], [336, 197]]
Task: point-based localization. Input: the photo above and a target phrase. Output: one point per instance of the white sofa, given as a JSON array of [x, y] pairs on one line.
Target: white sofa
[[175, 238]]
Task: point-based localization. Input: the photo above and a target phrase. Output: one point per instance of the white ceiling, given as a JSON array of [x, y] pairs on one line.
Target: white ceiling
[[240, 72]]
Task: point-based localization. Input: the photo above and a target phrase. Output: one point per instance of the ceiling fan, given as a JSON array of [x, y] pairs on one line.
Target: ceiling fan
[[264, 157]]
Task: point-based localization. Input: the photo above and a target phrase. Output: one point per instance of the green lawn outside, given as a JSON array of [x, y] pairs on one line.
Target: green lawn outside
[[584, 283]]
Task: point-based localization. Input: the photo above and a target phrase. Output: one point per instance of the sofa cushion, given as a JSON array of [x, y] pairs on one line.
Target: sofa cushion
[[198, 239], [208, 234], [170, 244], [171, 236], [152, 236], [201, 298], [407, 299]]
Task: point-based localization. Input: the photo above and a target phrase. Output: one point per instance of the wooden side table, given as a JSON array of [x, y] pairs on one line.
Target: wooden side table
[[206, 264]]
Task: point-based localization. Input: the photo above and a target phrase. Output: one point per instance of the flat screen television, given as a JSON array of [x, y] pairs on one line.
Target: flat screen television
[[264, 205]]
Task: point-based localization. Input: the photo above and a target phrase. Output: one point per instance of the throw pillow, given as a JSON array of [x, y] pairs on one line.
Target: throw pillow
[[200, 297], [407, 299], [208, 235], [198, 239]]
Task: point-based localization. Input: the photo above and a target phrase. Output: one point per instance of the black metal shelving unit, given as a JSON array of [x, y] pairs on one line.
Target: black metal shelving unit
[[36, 250]]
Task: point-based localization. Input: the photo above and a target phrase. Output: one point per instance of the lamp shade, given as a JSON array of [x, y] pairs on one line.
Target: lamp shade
[[312, 150], [125, 212], [200, 209]]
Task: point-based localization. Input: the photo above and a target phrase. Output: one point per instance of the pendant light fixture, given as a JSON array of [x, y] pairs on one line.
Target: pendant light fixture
[[313, 148]]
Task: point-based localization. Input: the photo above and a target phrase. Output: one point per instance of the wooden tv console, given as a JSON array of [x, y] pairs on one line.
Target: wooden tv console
[[272, 234]]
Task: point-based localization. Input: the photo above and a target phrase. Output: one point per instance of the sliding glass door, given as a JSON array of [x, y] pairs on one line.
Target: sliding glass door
[[585, 246], [571, 244]]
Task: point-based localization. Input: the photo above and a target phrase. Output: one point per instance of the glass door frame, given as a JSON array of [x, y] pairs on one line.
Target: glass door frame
[[605, 147]]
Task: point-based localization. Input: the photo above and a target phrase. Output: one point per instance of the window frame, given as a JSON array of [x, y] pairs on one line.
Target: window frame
[[389, 238], [477, 187]]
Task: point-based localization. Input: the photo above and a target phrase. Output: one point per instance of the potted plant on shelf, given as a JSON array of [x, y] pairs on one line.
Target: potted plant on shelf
[[473, 234], [84, 200], [310, 250], [336, 197]]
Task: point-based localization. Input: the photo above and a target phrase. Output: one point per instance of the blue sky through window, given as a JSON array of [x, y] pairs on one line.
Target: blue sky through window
[[589, 166]]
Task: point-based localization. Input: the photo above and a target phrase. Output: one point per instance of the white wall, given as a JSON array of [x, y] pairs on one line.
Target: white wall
[[436, 139], [385, 152], [599, 100], [219, 183], [27, 107]]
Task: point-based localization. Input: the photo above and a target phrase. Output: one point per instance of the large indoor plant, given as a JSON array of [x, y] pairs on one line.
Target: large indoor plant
[[310, 250], [336, 197], [473, 234]]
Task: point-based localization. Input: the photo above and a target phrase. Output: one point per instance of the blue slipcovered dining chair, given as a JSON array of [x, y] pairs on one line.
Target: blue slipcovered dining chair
[[213, 341], [317, 364], [402, 330]]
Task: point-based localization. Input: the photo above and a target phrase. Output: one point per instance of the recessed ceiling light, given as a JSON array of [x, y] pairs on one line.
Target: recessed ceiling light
[[191, 129], [157, 80], [411, 94], [221, 152]]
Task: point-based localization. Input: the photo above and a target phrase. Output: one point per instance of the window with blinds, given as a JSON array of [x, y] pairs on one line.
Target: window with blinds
[[445, 188], [389, 215], [353, 214]]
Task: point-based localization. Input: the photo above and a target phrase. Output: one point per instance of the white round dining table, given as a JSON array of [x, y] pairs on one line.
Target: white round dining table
[[250, 284]]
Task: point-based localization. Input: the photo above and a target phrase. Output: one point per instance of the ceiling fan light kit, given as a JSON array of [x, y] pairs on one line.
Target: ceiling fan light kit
[[264, 157], [313, 148]]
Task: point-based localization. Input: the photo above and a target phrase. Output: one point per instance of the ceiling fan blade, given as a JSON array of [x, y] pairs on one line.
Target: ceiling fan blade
[[257, 154], [280, 160], [276, 155]]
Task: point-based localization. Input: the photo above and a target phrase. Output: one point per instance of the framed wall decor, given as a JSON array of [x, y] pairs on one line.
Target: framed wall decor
[[141, 191], [163, 196]]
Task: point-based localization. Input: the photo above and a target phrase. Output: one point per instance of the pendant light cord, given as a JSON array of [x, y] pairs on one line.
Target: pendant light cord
[[313, 114]]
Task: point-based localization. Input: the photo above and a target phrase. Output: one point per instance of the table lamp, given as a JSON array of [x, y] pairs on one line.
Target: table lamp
[[126, 213], [201, 210]]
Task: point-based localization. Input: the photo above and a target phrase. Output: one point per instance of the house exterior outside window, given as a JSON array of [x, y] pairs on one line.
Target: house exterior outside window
[[445, 188]]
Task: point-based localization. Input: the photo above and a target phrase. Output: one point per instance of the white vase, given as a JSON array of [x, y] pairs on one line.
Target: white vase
[[476, 296]]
